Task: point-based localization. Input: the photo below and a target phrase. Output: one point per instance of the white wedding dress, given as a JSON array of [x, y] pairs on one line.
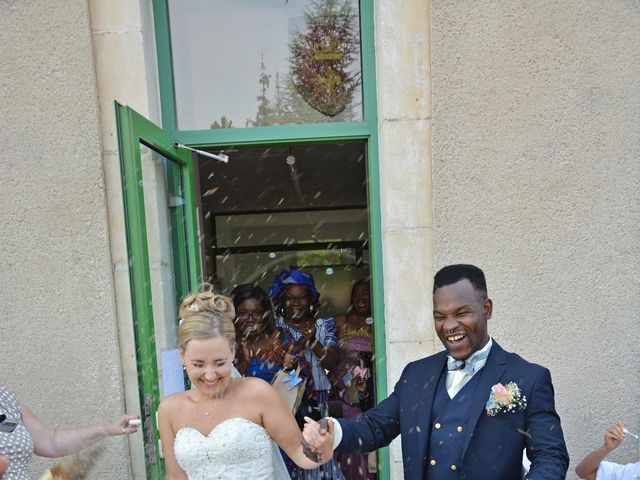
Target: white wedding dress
[[236, 449]]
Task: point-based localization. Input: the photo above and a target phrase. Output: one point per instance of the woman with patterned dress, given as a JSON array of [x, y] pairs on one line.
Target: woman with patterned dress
[[30, 436], [260, 352], [352, 378], [313, 342]]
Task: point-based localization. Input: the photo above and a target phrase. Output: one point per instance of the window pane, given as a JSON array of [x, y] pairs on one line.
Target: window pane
[[265, 62], [162, 184]]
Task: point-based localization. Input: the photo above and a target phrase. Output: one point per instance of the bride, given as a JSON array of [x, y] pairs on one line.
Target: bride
[[223, 427]]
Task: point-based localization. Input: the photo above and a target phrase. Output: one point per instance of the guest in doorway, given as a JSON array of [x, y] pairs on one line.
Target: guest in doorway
[[313, 341], [352, 378], [260, 351]]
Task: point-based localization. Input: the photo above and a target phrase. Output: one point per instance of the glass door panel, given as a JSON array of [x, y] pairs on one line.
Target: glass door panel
[[162, 241], [161, 200]]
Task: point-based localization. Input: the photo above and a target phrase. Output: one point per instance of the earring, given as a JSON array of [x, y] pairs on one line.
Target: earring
[[311, 307]]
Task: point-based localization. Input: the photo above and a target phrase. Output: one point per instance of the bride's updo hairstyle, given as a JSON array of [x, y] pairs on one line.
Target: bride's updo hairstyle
[[206, 314]]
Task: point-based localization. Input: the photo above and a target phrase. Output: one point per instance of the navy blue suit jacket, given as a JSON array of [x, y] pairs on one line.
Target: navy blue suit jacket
[[493, 444]]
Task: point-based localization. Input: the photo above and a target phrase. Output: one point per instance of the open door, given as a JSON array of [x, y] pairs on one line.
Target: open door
[[164, 258]]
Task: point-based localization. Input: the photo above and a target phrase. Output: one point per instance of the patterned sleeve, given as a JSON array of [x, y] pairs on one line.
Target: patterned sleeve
[[326, 332]]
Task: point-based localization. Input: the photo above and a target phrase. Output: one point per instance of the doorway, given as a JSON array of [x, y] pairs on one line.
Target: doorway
[[277, 206]]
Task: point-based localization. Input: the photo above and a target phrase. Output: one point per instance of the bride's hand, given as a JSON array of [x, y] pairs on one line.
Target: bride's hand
[[318, 438]]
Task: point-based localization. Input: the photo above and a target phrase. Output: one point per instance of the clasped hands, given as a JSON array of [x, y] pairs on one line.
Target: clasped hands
[[317, 439]]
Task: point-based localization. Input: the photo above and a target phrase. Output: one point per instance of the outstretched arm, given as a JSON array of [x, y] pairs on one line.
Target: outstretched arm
[[613, 437], [545, 442], [279, 422], [57, 443], [374, 429]]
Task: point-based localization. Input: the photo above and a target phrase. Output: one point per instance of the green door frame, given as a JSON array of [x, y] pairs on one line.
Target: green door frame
[[323, 132], [134, 130]]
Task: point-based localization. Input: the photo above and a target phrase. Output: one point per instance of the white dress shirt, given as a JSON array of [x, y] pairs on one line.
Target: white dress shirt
[[456, 379]]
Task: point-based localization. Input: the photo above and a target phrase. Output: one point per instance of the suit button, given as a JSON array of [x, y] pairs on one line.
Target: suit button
[[437, 425], [453, 467], [459, 428], [432, 462]]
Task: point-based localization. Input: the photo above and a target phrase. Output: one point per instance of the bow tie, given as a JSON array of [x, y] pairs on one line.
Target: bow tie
[[468, 366]]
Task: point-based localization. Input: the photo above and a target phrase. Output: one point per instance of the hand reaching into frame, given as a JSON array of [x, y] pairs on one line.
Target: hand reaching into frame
[[614, 436]]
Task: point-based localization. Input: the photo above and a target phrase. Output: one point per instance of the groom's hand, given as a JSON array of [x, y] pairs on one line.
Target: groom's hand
[[317, 439]]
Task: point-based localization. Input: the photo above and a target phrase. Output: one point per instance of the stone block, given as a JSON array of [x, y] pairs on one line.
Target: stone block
[[405, 174], [403, 52], [408, 273]]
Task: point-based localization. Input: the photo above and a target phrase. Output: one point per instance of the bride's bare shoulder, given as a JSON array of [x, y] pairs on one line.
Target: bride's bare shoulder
[[174, 402], [253, 386]]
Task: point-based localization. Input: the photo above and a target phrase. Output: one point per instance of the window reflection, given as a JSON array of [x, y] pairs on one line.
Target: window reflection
[[265, 62]]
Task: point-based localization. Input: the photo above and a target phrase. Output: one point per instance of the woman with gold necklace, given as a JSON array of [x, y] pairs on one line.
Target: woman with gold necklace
[[223, 427]]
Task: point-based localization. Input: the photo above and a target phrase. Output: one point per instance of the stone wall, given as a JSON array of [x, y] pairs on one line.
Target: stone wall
[[535, 179], [59, 340]]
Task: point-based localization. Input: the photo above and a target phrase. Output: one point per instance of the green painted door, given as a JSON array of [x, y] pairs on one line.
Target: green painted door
[[163, 258]]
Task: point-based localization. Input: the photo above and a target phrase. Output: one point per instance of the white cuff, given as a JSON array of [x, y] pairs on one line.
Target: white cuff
[[337, 433]]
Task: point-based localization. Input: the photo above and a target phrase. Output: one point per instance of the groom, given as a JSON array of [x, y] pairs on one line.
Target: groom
[[455, 419]]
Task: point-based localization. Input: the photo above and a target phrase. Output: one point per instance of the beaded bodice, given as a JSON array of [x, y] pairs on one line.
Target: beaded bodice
[[236, 449]]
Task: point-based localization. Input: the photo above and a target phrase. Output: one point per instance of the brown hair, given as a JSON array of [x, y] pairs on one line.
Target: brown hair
[[206, 314]]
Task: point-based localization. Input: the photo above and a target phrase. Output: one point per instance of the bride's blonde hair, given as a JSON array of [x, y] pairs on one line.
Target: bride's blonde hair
[[206, 314]]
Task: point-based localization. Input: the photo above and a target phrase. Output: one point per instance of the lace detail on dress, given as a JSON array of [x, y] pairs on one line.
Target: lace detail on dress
[[236, 449]]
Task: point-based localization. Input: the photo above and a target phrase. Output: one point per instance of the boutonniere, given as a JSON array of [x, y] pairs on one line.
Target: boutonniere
[[505, 399]]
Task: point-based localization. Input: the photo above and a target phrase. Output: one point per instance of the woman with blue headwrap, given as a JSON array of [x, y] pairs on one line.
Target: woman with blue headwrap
[[314, 342]]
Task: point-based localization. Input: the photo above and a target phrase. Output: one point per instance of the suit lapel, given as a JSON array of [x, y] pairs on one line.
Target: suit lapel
[[489, 376], [425, 398]]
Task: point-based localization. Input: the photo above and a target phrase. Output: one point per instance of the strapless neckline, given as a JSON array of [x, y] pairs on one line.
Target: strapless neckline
[[219, 424], [235, 449]]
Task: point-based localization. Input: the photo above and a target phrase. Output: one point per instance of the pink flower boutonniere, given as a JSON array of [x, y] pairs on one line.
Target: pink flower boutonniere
[[505, 399]]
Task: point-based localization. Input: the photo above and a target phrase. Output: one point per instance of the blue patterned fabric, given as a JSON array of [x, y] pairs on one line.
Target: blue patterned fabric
[[289, 277], [260, 369], [325, 335]]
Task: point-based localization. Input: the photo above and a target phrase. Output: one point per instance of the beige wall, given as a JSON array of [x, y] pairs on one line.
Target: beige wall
[[124, 51], [536, 142], [534, 146], [59, 340]]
